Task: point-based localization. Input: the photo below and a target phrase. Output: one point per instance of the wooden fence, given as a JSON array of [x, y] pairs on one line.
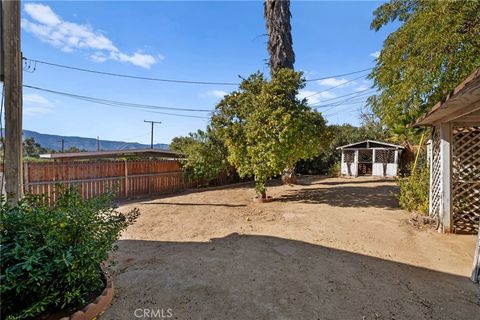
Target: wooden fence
[[126, 178], [132, 178]]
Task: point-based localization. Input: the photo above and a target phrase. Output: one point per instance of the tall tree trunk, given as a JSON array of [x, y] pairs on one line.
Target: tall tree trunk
[[277, 19], [280, 47]]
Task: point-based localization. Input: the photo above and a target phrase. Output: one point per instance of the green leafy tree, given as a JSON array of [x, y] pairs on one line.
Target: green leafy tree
[[266, 128], [435, 48], [74, 149], [206, 155], [33, 149]]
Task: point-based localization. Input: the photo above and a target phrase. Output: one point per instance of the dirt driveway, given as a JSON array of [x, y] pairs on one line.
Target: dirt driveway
[[328, 249]]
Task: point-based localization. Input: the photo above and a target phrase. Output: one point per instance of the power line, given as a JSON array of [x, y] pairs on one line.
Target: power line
[[119, 104], [113, 74], [342, 103], [340, 75], [355, 94], [339, 85], [72, 95], [361, 100], [122, 75]]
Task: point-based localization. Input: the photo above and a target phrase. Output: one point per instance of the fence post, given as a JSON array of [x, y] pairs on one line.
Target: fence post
[[149, 178], [25, 177], [126, 178]]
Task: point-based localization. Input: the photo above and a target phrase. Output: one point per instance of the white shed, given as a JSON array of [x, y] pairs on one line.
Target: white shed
[[370, 158]]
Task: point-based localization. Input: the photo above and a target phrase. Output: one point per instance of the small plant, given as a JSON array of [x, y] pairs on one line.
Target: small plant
[[414, 190], [335, 170], [51, 255]]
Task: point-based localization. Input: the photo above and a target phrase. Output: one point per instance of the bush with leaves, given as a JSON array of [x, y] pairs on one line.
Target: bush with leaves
[[414, 190], [51, 255], [206, 155], [266, 128]]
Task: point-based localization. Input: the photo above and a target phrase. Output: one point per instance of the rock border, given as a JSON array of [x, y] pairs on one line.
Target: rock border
[[101, 303]]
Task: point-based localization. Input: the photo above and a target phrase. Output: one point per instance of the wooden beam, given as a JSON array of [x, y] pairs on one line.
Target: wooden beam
[[463, 111], [446, 183], [12, 58]]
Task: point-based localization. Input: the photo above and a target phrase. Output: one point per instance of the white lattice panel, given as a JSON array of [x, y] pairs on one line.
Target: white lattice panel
[[436, 172], [466, 178]]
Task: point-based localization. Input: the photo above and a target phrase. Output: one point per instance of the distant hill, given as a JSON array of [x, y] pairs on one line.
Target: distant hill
[[54, 142]]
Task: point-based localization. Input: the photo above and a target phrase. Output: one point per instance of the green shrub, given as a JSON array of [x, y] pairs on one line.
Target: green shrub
[[50, 256], [414, 190], [335, 170]]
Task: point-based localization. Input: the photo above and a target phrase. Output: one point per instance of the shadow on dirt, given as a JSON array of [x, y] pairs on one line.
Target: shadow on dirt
[[346, 195], [194, 204], [263, 277]]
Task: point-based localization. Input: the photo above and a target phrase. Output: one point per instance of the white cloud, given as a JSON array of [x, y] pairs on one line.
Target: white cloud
[[35, 104], [216, 93], [43, 14], [313, 97], [47, 26], [332, 82], [375, 54]]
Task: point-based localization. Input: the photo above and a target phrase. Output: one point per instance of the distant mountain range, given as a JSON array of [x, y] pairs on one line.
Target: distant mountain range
[[54, 142]]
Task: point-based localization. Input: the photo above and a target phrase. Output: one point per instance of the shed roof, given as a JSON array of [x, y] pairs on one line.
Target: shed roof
[[113, 154], [370, 144], [464, 100]]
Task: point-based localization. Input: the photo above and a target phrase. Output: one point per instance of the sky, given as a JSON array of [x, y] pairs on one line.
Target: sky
[[200, 41]]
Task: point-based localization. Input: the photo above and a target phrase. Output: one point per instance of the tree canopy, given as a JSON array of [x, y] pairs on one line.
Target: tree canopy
[[436, 46], [266, 128]]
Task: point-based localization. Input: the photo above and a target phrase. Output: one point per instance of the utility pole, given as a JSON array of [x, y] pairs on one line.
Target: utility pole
[[63, 144], [98, 143], [12, 69], [151, 137]]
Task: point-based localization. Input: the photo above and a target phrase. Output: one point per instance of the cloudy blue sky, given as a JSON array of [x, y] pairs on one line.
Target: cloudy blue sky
[[201, 41]]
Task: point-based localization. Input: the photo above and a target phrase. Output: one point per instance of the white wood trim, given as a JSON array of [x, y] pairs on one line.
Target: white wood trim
[[446, 168], [356, 164]]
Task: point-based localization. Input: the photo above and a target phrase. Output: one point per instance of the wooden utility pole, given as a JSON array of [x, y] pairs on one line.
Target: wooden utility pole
[[98, 143], [12, 68], [151, 136]]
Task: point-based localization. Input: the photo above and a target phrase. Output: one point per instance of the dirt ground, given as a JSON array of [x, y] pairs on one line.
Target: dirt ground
[[330, 248]]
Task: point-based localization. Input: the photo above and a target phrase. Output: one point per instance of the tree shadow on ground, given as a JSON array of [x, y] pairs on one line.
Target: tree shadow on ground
[[193, 204], [263, 277], [354, 181], [382, 196]]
